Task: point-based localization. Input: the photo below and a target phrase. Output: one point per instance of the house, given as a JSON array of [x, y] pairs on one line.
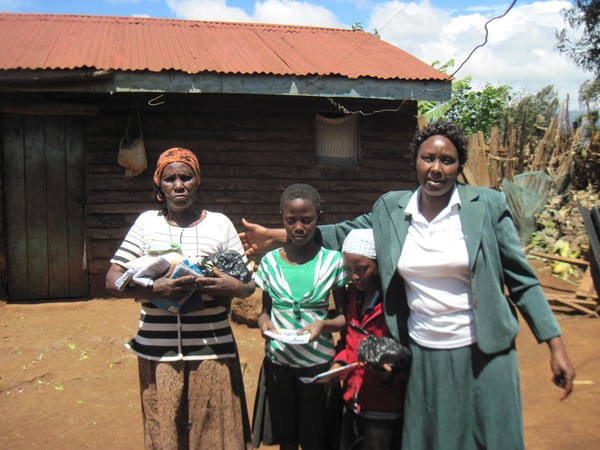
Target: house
[[263, 106]]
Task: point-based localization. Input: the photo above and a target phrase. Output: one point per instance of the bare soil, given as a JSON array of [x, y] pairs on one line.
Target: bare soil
[[67, 382]]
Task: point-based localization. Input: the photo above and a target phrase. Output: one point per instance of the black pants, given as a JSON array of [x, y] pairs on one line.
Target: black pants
[[362, 433]]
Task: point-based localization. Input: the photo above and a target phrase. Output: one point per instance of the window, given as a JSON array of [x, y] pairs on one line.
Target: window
[[337, 140]]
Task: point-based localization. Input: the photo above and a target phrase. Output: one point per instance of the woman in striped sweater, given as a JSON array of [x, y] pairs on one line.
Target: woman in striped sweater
[[190, 378]]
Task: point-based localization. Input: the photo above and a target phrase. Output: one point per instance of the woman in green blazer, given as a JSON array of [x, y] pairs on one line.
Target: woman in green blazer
[[452, 271]]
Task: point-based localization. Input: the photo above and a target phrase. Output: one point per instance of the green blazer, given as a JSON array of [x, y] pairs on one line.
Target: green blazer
[[495, 259]]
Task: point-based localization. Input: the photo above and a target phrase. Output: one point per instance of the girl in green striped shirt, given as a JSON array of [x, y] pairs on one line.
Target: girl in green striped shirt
[[296, 281]]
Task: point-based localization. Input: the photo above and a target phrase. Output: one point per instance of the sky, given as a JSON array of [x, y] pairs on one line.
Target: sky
[[519, 51]]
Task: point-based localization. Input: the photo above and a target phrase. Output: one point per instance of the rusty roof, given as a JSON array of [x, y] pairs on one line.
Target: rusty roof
[[63, 42]]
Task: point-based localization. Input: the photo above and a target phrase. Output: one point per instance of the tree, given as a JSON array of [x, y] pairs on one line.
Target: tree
[[584, 15], [472, 110], [585, 51], [531, 113], [432, 110], [589, 93], [479, 110]]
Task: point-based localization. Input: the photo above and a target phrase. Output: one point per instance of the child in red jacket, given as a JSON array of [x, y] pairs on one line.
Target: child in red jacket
[[373, 400]]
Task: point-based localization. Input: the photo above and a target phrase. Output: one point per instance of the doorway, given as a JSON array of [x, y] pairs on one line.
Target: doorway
[[44, 201]]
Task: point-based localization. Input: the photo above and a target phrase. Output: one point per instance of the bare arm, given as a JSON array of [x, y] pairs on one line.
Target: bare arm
[[337, 323], [258, 238], [264, 320]]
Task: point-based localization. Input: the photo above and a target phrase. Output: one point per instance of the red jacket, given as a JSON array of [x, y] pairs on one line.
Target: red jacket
[[363, 388]]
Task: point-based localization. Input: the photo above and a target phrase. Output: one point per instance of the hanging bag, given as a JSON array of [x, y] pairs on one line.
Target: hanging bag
[[132, 153]]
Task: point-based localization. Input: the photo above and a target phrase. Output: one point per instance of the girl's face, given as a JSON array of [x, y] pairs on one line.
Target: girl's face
[[437, 166], [179, 187], [300, 219], [362, 270]]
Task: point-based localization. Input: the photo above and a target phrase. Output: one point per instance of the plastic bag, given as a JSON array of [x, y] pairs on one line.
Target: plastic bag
[[378, 351], [132, 152]]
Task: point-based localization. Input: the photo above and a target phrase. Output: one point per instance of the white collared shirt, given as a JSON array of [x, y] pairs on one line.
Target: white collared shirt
[[435, 266]]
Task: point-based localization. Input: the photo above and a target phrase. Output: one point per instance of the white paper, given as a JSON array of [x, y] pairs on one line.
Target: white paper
[[324, 377], [289, 336]]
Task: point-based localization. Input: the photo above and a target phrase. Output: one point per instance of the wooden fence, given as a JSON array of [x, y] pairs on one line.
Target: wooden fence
[[500, 158]]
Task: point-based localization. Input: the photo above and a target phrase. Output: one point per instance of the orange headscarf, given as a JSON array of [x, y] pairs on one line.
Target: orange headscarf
[[176, 154]]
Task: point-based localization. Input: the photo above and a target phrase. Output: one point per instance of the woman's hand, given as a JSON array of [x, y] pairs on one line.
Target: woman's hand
[[384, 374], [258, 238], [171, 288], [343, 376], [314, 328], [265, 324], [222, 284], [562, 369]]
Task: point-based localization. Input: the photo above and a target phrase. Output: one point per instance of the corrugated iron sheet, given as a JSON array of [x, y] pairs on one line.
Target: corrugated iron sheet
[[48, 42]]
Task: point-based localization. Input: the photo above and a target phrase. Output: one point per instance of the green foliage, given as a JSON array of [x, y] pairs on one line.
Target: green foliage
[[492, 106], [531, 113], [479, 110], [590, 91], [473, 110], [357, 26], [433, 110], [584, 15]]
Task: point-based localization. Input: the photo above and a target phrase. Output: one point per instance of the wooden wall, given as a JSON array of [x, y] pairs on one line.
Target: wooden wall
[[250, 149]]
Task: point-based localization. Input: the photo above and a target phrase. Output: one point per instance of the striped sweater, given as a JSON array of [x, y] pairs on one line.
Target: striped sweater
[[190, 334]]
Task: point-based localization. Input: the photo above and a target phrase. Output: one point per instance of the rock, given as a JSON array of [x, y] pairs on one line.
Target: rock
[[245, 311]]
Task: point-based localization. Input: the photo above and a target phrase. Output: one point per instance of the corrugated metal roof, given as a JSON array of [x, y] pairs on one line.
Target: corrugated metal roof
[[50, 42]]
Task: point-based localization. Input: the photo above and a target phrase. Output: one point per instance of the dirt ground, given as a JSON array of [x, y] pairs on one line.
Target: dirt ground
[[67, 382]]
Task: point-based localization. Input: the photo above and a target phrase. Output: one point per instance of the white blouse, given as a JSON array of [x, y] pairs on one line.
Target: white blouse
[[435, 267]]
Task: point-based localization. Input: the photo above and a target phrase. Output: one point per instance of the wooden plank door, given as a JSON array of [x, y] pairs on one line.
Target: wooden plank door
[[44, 198]]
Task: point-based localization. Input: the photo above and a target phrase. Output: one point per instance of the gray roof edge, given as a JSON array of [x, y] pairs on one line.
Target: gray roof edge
[[211, 83]]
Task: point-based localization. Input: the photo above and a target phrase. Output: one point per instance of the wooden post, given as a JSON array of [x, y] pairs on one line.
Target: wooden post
[[476, 169], [493, 170], [521, 139], [544, 148], [509, 171]]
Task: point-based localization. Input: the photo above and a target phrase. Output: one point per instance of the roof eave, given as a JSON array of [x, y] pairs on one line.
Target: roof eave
[[95, 81]]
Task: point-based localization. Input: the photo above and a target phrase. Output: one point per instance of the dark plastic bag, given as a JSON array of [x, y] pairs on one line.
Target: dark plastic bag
[[229, 262], [378, 351]]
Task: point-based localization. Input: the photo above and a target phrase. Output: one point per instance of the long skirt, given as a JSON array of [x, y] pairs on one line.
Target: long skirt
[[194, 405], [287, 411], [463, 399]]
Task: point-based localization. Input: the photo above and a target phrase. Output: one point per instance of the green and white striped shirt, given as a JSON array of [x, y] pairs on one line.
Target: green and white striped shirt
[[300, 295]]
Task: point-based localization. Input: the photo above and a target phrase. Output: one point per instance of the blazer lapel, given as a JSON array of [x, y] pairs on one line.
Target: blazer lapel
[[391, 229], [400, 223], [472, 214]]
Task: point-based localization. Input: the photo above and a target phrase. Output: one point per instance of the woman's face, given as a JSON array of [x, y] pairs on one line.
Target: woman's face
[[179, 186], [300, 219], [437, 166], [362, 270]]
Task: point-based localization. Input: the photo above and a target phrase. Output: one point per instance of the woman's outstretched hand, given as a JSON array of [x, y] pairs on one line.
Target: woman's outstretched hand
[[258, 238]]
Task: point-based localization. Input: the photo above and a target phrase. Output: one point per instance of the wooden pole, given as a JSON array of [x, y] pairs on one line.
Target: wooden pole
[[493, 170]]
